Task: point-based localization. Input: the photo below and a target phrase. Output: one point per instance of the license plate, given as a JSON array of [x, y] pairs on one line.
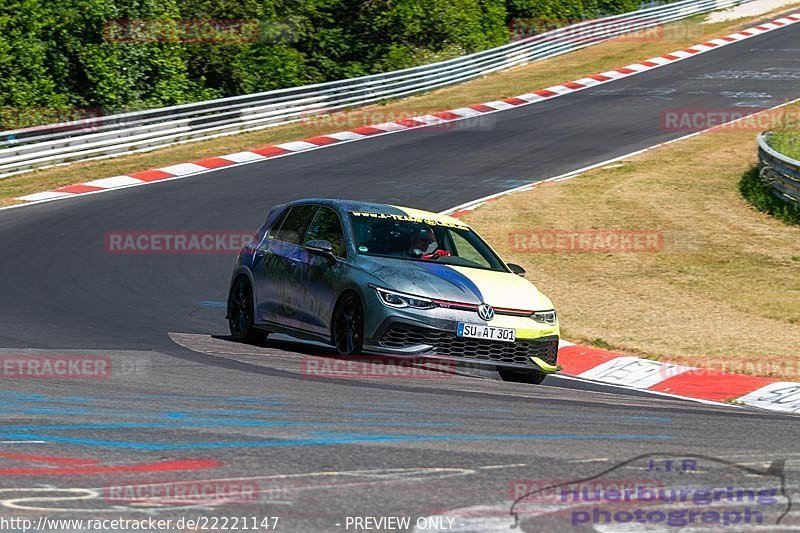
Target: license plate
[[490, 333]]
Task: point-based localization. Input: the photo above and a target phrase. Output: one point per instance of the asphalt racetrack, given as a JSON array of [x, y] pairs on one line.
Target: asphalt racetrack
[[184, 404]]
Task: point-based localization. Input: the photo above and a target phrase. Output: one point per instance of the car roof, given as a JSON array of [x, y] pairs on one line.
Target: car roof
[[372, 207]]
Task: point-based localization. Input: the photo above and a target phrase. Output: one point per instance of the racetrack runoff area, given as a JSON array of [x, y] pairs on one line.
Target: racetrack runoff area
[[659, 255]]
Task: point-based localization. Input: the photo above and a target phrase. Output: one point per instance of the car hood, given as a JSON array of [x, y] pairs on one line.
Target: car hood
[[457, 283]]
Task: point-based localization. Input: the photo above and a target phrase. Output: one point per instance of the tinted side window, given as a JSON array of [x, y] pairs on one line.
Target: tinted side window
[[273, 231], [327, 226], [295, 224]]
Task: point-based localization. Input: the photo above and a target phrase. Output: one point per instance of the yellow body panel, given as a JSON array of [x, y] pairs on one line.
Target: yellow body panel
[[506, 290]]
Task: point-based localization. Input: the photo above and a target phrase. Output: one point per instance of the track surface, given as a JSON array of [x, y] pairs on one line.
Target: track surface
[[431, 443]]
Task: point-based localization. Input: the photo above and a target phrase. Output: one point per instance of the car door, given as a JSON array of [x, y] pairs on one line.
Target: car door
[[280, 269], [262, 268], [324, 278]]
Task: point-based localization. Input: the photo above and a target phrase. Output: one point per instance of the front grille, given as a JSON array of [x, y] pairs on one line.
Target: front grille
[[447, 344]]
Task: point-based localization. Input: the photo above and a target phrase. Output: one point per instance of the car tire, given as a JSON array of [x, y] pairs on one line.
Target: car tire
[[521, 376], [241, 313], [347, 325]]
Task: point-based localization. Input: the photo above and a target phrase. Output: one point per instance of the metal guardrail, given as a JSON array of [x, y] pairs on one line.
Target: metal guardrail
[[779, 173], [109, 136]]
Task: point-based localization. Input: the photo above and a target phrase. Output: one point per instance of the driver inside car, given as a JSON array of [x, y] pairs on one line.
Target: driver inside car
[[425, 246]]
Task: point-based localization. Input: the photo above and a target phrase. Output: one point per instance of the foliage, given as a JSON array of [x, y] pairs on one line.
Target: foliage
[[117, 55]]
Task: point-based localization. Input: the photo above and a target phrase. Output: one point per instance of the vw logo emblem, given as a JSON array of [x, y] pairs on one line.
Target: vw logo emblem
[[486, 312]]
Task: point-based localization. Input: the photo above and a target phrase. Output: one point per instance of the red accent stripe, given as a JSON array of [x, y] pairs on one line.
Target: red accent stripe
[[270, 151], [762, 28], [649, 64], [482, 108], [150, 175], [729, 39], [545, 93], [458, 305], [214, 162], [711, 385], [709, 43], [367, 130], [514, 101], [79, 189], [778, 23], [599, 77], [515, 311], [574, 85], [161, 466], [692, 51], [670, 57], [745, 32], [446, 115], [624, 70], [578, 359], [323, 140]]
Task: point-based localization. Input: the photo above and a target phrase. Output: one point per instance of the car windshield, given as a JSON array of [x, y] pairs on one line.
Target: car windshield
[[421, 239]]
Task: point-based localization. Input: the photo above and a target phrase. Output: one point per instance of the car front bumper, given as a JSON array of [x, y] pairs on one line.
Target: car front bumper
[[432, 334]]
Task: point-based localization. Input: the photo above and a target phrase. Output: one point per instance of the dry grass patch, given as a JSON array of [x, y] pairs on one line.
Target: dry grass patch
[[723, 292], [604, 56]]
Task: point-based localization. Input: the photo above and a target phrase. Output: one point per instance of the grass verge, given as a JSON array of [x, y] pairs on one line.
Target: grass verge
[[762, 199], [718, 289], [787, 141], [604, 56]]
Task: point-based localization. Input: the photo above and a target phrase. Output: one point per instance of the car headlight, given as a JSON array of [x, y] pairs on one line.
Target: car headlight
[[399, 299], [545, 317]]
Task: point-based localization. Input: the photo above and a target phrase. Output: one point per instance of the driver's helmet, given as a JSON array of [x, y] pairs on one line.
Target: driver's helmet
[[423, 241]]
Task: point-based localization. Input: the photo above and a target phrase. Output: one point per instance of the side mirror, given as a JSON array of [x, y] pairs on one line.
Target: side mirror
[[321, 247], [516, 269]]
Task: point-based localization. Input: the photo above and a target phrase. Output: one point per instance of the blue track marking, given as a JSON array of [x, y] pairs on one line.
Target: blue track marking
[[327, 441], [359, 423]]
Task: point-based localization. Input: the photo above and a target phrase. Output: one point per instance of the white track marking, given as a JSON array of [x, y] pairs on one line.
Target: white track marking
[[113, 182], [372, 477], [183, 169], [243, 157]]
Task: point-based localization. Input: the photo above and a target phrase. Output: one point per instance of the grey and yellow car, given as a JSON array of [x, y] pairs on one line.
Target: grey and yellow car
[[377, 278]]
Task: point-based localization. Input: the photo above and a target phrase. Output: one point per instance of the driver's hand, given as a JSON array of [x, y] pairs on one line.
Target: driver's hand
[[436, 254]]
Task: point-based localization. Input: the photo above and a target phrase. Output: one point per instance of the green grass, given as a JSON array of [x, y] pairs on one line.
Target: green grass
[[787, 141], [600, 343], [762, 199]]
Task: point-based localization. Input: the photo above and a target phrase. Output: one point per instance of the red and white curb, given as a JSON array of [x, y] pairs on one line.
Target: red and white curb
[[678, 380], [364, 132]]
